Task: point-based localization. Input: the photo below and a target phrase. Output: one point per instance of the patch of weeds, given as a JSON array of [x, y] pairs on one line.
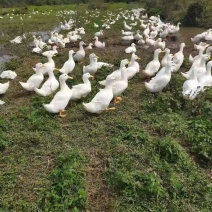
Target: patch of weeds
[[36, 117], [200, 137], [7, 182], [131, 134], [13, 64], [67, 191], [170, 151], [134, 184], [3, 141]]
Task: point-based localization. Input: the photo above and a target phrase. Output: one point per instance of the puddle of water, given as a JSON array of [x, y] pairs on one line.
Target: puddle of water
[[186, 33], [45, 35], [6, 58]]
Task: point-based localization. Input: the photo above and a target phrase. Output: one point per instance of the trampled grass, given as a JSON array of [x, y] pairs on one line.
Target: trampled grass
[[153, 153]]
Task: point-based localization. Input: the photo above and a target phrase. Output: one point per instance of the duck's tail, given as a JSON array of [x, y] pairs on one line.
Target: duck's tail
[[39, 92], [148, 86]]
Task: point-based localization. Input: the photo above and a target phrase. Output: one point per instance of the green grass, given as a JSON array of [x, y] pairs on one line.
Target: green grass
[[153, 153]]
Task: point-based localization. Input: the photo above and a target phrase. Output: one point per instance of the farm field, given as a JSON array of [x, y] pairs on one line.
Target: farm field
[[152, 153]]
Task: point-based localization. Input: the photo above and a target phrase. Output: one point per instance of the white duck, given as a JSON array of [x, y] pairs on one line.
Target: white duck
[[69, 65], [4, 87], [149, 41], [117, 73], [133, 67], [61, 98], [196, 60], [50, 85], [127, 37], [199, 67], [126, 27], [163, 33], [89, 46], [82, 90], [80, 54], [36, 49], [126, 33], [119, 86], [169, 59], [206, 79], [146, 31], [157, 83], [50, 62], [102, 99], [100, 33], [41, 44], [35, 80], [164, 59], [191, 87], [53, 51], [98, 44], [131, 49], [8, 74], [160, 44], [138, 36], [92, 67], [153, 66], [178, 58]]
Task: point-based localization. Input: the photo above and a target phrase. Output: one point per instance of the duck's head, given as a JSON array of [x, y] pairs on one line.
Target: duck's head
[[71, 51], [158, 50], [88, 76], [183, 44], [82, 43], [64, 77], [92, 55], [39, 65], [110, 79], [124, 62]]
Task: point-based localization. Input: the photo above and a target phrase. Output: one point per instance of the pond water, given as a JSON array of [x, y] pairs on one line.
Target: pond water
[[45, 35], [186, 33]]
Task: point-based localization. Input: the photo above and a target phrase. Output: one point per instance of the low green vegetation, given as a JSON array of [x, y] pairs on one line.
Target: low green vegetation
[[153, 153]]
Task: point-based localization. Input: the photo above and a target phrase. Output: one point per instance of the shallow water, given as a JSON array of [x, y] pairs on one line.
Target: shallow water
[[45, 35], [186, 33]]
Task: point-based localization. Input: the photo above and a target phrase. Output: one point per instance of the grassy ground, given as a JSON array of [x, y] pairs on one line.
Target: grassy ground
[[153, 153]]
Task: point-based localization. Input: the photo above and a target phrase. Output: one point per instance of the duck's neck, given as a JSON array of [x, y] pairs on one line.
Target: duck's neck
[[51, 74], [71, 56], [156, 54], [63, 85], [167, 53], [39, 71], [181, 48], [93, 61], [81, 46], [201, 50], [50, 59], [124, 75], [132, 61], [86, 80]]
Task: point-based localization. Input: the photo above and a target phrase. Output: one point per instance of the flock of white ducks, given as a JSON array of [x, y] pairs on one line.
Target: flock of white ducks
[[152, 33]]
